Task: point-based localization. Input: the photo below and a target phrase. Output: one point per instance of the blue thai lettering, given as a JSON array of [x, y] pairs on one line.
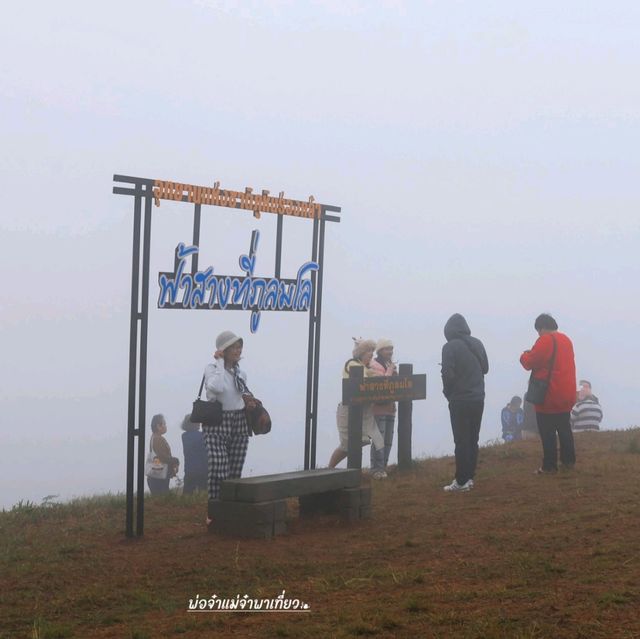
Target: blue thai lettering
[[247, 263], [271, 298], [255, 321], [204, 289], [241, 291], [303, 287], [285, 295], [213, 289], [186, 282], [257, 291], [171, 287], [223, 298], [202, 280]]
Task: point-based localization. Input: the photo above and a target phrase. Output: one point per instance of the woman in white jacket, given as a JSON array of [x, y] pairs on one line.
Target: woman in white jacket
[[362, 354], [226, 443]]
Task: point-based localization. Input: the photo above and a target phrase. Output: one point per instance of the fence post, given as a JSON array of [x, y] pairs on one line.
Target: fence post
[[405, 409], [354, 446]]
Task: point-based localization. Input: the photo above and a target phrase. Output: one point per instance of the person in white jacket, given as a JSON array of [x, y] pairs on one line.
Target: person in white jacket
[[226, 443], [362, 355]]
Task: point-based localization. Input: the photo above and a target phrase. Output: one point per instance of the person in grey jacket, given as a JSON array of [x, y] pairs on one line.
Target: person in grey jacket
[[464, 365]]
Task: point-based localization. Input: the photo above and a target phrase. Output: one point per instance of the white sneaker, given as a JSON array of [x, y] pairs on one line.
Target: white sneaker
[[455, 487], [379, 474]]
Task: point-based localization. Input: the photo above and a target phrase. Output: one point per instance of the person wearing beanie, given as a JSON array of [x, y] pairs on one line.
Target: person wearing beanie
[[552, 359], [464, 365], [226, 443], [586, 415], [512, 418], [384, 413], [363, 350]]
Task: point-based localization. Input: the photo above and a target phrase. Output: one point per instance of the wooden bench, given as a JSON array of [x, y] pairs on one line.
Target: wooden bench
[[257, 506]]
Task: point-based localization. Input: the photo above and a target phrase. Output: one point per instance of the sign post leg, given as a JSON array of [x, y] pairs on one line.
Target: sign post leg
[[404, 425], [354, 447]]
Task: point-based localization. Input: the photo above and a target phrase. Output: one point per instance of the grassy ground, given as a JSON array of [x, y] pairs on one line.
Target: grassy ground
[[520, 557]]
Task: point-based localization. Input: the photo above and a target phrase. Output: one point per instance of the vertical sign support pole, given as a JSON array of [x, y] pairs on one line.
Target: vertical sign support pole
[[405, 409], [354, 446], [197, 216], [316, 353], [311, 351], [142, 389], [133, 355], [278, 246]]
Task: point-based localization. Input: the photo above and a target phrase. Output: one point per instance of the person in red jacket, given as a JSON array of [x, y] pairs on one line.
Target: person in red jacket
[[553, 350]]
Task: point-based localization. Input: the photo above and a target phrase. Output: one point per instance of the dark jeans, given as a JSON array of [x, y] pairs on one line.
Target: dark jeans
[[158, 486], [548, 425], [194, 481], [465, 423], [380, 458]]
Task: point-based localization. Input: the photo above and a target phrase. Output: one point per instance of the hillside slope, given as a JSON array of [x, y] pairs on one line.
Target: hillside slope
[[521, 556]]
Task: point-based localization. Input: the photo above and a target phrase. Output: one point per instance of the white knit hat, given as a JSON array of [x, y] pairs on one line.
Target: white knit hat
[[383, 342], [226, 339]]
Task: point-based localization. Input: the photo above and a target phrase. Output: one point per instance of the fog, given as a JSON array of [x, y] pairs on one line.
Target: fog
[[484, 156]]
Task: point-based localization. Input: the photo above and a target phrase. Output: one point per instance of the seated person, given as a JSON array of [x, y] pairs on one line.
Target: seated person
[[512, 418]]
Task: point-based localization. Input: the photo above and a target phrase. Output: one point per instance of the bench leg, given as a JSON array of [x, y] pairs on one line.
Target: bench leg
[[350, 504], [261, 520]]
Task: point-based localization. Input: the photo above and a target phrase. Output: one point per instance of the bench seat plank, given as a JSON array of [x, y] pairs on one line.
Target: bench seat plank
[[283, 485]]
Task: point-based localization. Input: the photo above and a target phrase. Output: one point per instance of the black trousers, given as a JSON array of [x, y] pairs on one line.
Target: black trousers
[[158, 486], [465, 423], [548, 425]]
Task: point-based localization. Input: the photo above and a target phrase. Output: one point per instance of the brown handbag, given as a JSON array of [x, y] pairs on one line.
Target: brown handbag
[[258, 418]]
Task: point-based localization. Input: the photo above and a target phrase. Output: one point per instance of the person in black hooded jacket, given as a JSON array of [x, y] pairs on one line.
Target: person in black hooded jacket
[[464, 365]]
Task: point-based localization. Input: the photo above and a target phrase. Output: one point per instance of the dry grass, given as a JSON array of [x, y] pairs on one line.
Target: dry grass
[[520, 557]]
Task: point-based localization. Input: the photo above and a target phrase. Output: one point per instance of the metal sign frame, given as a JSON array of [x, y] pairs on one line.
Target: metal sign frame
[[145, 192]]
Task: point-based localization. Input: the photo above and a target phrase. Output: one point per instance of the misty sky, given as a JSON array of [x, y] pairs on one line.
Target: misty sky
[[485, 155]]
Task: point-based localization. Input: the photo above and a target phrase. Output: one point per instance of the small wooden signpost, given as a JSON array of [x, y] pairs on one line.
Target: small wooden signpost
[[402, 388]]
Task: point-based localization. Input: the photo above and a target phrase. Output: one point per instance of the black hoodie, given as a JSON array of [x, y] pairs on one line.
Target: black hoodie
[[464, 362]]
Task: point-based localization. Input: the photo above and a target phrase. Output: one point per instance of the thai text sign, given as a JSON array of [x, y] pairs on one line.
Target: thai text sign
[[384, 389], [248, 200], [206, 290]]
